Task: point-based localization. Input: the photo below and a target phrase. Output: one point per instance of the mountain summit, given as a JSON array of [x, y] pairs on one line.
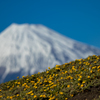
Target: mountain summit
[[30, 48]]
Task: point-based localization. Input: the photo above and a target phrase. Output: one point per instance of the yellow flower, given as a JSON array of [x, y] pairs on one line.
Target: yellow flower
[[7, 97], [18, 82], [90, 71], [32, 75], [35, 96], [78, 83], [61, 77], [57, 65], [27, 79], [97, 57], [71, 95], [0, 96], [47, 72], [8, 86], [17, 95], [88, 76], [98, 67], [65, 71], [83, 82], [88, 58], [61, 92], [98, 70], [82, 85], [80, 76], [18, 77], [70, 71], [79, 79], [68, 86], [44, 96], [71, 77], [66, 63], [11, 97]]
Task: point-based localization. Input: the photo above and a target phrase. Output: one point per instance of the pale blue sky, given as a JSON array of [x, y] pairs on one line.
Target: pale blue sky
[[77, 19]]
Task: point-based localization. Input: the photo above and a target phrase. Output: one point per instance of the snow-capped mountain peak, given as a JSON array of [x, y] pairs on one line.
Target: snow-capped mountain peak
[[31, 48]]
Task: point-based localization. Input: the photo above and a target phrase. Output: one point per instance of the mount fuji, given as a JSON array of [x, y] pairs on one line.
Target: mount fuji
[[27, 49]]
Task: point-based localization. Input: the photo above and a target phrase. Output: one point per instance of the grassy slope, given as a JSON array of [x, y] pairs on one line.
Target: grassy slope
[[76, 80]]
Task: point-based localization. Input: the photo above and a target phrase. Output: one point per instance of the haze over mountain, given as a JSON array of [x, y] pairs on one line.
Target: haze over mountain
[[30, 48]]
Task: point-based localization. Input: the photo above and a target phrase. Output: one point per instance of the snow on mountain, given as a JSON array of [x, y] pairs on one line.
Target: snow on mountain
[[30, 48]]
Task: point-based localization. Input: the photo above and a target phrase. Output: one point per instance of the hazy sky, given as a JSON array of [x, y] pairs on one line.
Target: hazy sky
[[76, 19]]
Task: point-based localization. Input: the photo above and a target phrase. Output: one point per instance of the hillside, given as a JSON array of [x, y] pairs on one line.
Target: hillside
[[76, 80]]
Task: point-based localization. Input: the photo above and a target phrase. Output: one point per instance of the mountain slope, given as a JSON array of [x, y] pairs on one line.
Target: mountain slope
[[75, 80], [28, 49]]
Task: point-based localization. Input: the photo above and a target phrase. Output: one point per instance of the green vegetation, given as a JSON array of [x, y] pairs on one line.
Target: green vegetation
[[76, 80]]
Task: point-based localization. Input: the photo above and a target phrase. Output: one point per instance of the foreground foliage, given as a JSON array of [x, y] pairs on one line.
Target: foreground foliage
[[76, 80]]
